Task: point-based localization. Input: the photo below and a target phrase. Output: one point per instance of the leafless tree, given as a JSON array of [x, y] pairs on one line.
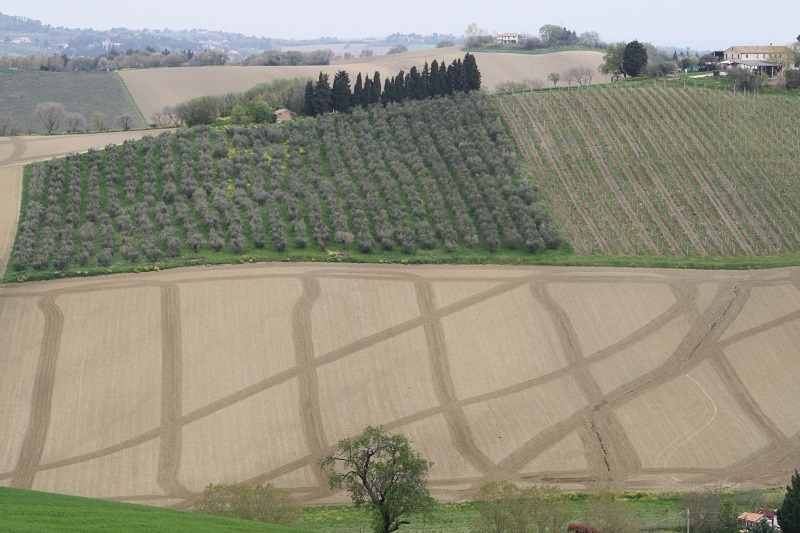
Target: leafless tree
[[75, 122], [9, 127], [590, 38], [366, 52], [50, 114], [124, 121]]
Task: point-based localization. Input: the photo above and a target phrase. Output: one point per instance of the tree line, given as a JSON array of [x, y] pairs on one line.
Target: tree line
[[437, 79]]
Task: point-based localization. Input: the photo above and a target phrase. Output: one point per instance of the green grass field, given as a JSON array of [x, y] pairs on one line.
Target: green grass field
[[646, 170], [80, 92], [29, 511], [23, 511]]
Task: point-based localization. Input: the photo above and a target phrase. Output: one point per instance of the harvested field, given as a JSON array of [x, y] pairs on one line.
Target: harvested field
[[154, 89], [148, 387]]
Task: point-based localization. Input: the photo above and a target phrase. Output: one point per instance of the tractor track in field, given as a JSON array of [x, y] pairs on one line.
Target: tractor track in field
[[612, 458], [610, 452]]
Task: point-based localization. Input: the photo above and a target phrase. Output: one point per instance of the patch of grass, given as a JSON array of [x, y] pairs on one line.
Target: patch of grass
[[80, 92], [24, 511]]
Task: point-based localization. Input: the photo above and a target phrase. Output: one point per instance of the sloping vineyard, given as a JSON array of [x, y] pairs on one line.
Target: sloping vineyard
[[439, 175], [665, 171]]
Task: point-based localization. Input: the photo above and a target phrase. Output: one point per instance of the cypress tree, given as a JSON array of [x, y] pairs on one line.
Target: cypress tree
[[322, 95], [366, 95], [387, 90], [340, 94], [399, 87], [376, 88], [309, 99], [789, 513], [358, 91], [472, 73], [437, 85], [443, 77], [414, 85], [425, 81]]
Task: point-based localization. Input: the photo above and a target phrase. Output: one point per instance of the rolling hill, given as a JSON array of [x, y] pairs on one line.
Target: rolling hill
[[146, 387], [79, 92], [153, 89], [665, 171]]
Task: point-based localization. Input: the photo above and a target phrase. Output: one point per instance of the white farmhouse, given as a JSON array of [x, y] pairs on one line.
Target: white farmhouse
[[507, 38], [767, 59]]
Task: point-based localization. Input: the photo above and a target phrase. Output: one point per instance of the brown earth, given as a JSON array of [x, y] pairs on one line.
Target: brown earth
[[148, 387], [154, 89]]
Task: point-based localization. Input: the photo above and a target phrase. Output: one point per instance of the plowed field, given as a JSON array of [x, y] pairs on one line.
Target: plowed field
[[153, 89], [148, 387]]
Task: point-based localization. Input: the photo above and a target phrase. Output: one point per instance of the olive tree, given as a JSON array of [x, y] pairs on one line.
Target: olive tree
[[382, 471]]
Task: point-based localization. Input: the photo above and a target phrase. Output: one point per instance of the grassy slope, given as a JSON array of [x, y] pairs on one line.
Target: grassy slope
[[22, 510], [81, 92], [627, 171], [42, 512]]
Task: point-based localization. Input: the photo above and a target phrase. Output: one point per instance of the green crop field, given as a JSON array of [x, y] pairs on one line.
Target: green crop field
[[24, 511], [435, 181], [79, 92], [665, 171]]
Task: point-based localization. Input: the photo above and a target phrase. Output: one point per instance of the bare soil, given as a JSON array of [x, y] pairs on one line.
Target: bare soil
[[147, 387]]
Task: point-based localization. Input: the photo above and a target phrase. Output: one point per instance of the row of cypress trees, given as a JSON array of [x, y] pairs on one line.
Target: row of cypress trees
[[437, 79]]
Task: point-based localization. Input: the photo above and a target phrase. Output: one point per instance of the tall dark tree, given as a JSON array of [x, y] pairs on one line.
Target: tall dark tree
[[472, 73], [388, 90], [425, 80], [443, 76], [340, 93], [309, 99], [322, 95], [366, 95], [634, 58], [789, 513], [375, 96], [399, 87], [358, 91], [437, 85], [414, 89]]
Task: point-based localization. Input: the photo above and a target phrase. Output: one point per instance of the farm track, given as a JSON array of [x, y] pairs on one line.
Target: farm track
[[613, 458]]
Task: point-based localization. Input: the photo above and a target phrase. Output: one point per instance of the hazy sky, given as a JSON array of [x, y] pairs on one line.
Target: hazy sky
[[698, 24]]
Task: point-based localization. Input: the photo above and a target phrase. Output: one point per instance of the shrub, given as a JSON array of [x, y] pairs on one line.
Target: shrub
[[792, 79], [262, 503]]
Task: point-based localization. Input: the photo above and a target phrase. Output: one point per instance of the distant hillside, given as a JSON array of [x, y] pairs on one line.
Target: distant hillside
[[665, 171], [84, 92], [153, 89], [22, 35]]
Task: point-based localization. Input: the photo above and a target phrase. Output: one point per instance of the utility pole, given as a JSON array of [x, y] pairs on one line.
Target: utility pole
[[687, 520]]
